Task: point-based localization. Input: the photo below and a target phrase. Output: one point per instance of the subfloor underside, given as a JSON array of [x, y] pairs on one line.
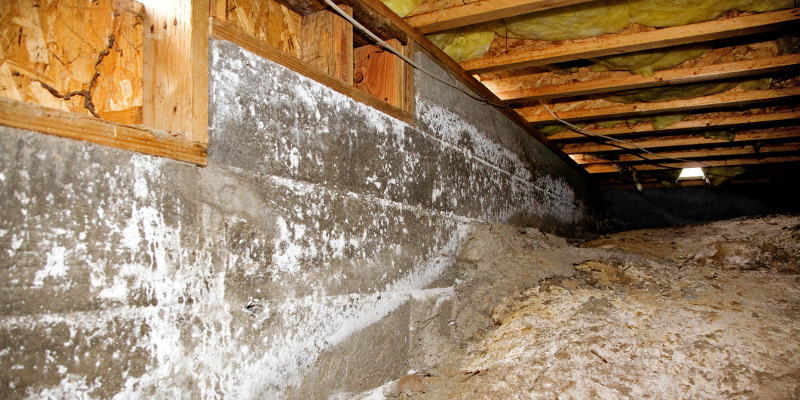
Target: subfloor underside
[[699, 312]]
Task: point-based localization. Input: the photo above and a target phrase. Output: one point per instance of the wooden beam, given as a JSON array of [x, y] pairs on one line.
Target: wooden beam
[[303, 7], [176, 34], [328, 43], [704, 123], [70, 125], [662, 78], [683, 140], [606, 168], [629, 42], [384, 15], [480, 11], [537, 114], [753, 149], [224, 31]]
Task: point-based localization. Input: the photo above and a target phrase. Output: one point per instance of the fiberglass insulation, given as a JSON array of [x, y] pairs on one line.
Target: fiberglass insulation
[[597, 18]]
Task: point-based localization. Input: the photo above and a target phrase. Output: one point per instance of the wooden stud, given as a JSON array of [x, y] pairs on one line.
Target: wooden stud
[[704, 123], [328, 43], [754, 135], [568, 50], [225, 31], [662, 78], [464, 14], [606, 168], [176, 33], [83, 127], [567, 111]]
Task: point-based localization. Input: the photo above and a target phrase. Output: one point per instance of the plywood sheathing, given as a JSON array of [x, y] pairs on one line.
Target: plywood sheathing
[[268, 21], [74, 55]]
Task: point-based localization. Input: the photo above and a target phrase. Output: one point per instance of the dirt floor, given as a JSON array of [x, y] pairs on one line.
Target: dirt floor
[[699, 312]]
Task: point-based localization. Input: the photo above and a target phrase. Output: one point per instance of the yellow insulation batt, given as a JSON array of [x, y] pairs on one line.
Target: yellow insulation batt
[[646, 63], [687, 91], [597, 18], [401, 7]]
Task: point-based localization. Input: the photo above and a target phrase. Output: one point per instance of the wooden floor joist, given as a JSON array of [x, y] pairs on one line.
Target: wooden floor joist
[[704, 123], [537, 114], [629, 42], [689, 154], [684, 140], [662, 78], [611, 168], [479, 11]]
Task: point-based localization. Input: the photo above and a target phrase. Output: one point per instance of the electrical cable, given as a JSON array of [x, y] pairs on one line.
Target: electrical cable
[[609, 138], [402, 56], [416, 66]]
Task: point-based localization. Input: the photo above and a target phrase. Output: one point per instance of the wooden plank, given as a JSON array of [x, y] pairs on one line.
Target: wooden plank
[[606, 168], [480, 11], [91, 65], [328, 43], [661, 78], [590, 158], [225, 31], [176, 34], [704, 123], [684, 140], [270, 22], [537, 114], [381, 73], [568, 50], [218, 9], [83, 127]]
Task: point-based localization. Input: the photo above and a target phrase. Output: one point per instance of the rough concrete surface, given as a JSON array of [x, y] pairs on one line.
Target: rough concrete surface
[[698, 312], [289, 267]]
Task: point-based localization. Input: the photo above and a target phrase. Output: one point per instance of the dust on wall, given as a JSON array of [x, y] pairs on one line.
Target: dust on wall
[[317, 219]]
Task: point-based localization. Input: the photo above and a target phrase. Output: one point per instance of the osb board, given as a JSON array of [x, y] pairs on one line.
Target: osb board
[[268, 21], [74, 55], [437, 5]]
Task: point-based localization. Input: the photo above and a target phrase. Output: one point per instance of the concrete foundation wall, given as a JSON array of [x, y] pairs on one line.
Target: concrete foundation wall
[[287, 268]]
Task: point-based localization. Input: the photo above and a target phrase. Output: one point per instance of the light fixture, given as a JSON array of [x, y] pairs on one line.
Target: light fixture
[[691, 173]]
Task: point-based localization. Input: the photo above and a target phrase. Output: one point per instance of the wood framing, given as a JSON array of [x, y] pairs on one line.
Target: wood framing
[[731, 121], [750, 150], [464, 14], [328, 43], [568, 50], [76, 126], [383, 74], [662, 78], [731, 162], [754, 135], [224, 31], [176, 34], [572, 112]]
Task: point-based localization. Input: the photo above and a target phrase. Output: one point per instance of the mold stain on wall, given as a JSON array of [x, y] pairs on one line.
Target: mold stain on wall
[[129, 276]]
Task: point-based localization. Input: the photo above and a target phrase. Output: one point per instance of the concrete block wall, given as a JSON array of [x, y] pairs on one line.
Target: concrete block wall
[[287, 268]]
